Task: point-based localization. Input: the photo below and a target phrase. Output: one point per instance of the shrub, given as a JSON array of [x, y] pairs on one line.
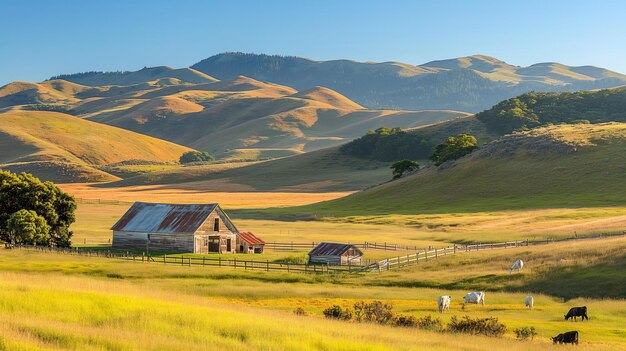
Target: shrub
[[299, 311], [404, 321], [429, 323], [336, 312], [525, 333], [377, 312], [478, 326], [196, 156]]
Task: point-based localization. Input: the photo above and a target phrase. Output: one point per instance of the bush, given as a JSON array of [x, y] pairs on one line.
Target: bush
[[336, 312], [525, 333], [299, 311], [376, 311], [195, 156], [429, 323], [478, 326]]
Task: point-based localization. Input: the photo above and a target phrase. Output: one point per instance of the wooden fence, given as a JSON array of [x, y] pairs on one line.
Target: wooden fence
[[189, 261], [293, 246], [391, 263]]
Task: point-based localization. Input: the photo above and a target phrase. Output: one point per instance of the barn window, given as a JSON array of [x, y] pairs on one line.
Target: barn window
[[216, 225]]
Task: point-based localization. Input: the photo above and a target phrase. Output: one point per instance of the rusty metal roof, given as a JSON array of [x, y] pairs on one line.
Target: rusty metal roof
[[333, 249], [250, 238], [148, 217]]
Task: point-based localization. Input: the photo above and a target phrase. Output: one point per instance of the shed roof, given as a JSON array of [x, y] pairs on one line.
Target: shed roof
[[250, 238], [332, 249], [164, 218]]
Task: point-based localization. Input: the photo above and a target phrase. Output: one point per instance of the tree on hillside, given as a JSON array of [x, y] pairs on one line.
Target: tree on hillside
[[454, 148], [388, 144], [196, 156], [402, 167], [26, 192], [27, 227]]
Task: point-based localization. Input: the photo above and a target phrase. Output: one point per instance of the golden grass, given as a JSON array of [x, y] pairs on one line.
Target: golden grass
[[60, 302]]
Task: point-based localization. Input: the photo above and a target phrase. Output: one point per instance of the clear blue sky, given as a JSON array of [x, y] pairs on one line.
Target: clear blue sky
[[42, 38]]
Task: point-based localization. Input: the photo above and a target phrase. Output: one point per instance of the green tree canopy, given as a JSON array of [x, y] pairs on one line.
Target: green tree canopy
[[532, 109], [454, 148], [388, 144], [26, 192], [27, 227], [196, 156], [400, 168]]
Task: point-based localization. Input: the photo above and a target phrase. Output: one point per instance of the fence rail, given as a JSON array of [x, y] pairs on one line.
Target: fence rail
[[396, 262]]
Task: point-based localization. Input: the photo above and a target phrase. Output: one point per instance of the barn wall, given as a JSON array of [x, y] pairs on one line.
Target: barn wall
[[158, 242], [225, 232], [329, 260]]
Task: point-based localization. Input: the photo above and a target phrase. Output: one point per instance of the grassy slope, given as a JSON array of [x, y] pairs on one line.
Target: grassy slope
[[322, 170], [252, 115], [152, 301], [534, 170], [42, 139]]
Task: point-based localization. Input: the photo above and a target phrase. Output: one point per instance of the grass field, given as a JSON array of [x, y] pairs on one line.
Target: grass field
[[98, 304]]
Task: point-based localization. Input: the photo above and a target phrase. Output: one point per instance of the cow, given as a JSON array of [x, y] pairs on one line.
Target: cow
[[444, 303], [475, 297], [577, 312], [571, 337], [519, 264], [530, 302]]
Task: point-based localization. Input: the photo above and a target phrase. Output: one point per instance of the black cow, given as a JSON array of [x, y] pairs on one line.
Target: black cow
[[577, 312], [571, 337]]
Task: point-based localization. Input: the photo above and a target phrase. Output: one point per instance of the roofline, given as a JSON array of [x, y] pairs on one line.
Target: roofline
[[217, 205], [226, 214]]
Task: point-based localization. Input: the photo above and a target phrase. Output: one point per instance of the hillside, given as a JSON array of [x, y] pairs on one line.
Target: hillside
[[239, 116], [65, 148], [317, 171], [143, 75], [557, 166], [471, 83]]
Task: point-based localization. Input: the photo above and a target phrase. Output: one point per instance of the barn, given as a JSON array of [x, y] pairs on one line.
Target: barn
[[247, 242], [197, 228], [335, 254]]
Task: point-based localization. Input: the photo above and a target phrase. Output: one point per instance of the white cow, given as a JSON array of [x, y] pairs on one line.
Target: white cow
[[444, 303], [519, 264], [477, 297], [530, 302]]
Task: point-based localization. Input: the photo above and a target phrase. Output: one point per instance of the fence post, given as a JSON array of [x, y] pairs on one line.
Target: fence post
[[164, 256], [182, 261], [219, 259], [235, 262], [268, 265]]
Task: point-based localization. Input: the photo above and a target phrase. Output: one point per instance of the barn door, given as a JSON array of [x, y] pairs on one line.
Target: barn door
[[228, 245], [214, 244]]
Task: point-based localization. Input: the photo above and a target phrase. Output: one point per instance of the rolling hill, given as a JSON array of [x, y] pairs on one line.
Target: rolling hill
[[60, 147], [317, 171], [471, 83], [239, 116], [573, 165]]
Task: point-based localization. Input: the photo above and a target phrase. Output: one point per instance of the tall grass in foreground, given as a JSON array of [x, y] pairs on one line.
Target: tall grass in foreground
[[59, 312]]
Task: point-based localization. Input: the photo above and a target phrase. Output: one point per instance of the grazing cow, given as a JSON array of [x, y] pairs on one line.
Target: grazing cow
[[530, 302], [444, 303], [577, 312], [571, 337], [475, 297], [519, 264]]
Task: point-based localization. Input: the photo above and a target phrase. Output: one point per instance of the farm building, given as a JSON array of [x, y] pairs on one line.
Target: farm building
[[249, 243], [175, 228], [335, 254]]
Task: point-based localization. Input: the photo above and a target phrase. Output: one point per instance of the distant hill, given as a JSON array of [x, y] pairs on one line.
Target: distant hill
[[237, 114], [471, 83], [60, 147], [557, 166], [146, 74], [529, 110]]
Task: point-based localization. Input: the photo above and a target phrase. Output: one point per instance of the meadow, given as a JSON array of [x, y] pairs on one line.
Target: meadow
[[61, 302]]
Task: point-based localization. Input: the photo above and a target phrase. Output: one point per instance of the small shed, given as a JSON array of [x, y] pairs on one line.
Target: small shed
[[336, 254], [247, 242], [197, 228]]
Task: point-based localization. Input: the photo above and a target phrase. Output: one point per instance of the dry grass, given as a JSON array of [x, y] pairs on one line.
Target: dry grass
[[98, 304]]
